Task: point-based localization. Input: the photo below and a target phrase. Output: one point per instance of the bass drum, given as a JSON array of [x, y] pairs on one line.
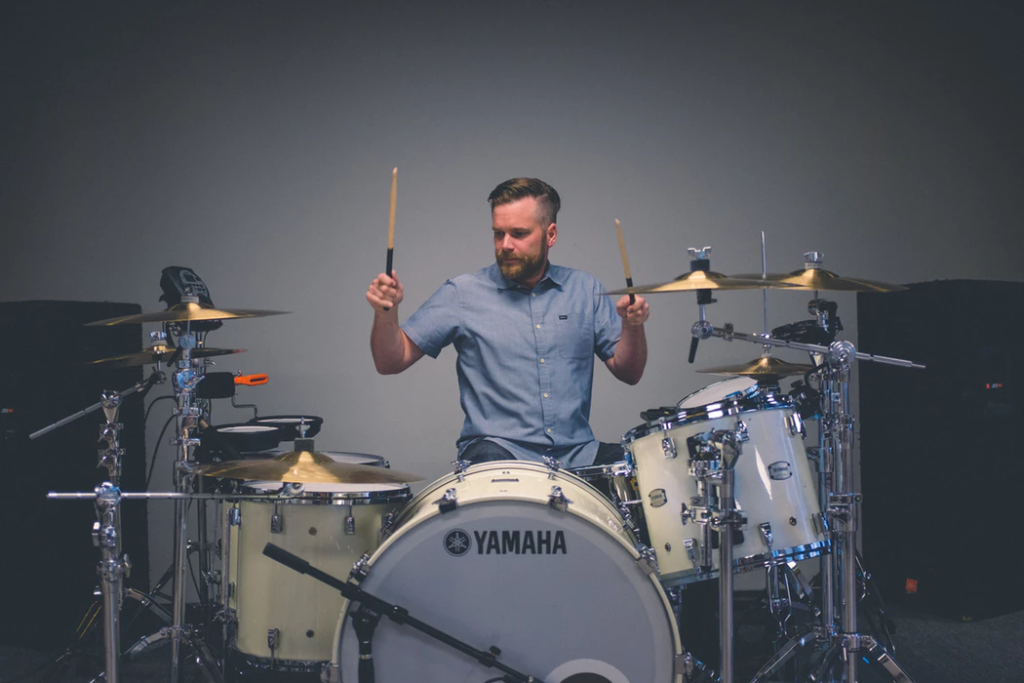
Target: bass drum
[[532, 561], [774, 484]]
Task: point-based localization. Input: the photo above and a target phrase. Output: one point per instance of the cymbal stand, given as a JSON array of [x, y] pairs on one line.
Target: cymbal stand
[[847, 644], [726, 520], [185, 380], [111, 570]]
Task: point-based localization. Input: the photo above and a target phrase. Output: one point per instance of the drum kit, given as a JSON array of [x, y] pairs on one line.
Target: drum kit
[[555, 575]]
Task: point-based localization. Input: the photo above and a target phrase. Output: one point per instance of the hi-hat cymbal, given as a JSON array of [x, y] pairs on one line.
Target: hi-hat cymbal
[[157, 353], [184, 312], [821, 279], [702, 279], [765, 366], [307, 467]]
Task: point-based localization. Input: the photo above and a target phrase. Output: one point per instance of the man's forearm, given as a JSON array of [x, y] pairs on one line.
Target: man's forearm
[[387, 342], [630, 357]]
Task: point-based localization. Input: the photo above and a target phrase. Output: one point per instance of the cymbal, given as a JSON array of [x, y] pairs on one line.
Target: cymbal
[[821, 279], [157, 353], [307, 467], [765, 366], [701, 279], [184, 312]]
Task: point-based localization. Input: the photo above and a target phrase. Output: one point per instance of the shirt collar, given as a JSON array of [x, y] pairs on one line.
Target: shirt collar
[[556, 274]]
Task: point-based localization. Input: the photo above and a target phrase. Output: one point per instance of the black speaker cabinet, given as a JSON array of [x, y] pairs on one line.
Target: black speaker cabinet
[[49, 565], [942, 453]]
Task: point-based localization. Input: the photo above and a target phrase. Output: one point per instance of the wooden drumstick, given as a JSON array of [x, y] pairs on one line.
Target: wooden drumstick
[[391, 224], [625, 260]]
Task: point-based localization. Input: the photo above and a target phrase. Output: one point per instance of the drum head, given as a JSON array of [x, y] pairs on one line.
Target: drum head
[[734, 387], [563, 599]]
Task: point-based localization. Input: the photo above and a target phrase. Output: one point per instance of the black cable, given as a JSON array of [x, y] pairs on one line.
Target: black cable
[[152, 461], [152, 403]]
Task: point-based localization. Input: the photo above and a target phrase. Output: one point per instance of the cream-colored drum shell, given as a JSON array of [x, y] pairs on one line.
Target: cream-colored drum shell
[[267, 595], [789, 505]]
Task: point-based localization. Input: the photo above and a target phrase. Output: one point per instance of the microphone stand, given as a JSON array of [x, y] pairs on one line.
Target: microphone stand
[[372, 608]]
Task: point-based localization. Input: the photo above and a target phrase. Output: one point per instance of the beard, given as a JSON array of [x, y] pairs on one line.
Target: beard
[[524, 267]]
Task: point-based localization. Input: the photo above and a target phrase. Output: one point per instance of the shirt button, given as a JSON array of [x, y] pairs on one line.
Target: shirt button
[[541, 360], [538, 326], [549, 430], [545, 395], [534, 294]]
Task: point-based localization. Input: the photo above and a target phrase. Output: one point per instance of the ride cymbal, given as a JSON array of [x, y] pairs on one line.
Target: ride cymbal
[[185, 312], [157, 353], [307, 467], [702, 279], [765, 366]]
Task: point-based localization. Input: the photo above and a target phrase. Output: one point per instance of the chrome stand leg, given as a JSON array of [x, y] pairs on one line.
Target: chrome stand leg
[[111, 572]]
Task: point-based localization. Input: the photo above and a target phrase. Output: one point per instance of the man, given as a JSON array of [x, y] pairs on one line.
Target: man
[[526, 332]]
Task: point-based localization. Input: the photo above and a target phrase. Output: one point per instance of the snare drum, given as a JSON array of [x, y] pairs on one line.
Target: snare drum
[[286, 620], [774, 485], [528, 560]]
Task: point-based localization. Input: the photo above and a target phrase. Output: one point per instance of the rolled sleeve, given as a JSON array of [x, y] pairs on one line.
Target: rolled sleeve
[[436, 323], [607, 325]]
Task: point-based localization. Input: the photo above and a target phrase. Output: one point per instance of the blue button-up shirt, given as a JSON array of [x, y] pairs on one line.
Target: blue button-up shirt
[[525, 357]]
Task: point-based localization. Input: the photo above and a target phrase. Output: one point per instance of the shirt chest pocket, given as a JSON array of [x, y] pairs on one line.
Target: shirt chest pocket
[[574, 339]]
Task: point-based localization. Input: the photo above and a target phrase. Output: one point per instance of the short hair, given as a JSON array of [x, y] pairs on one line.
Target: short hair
[[548, 201]]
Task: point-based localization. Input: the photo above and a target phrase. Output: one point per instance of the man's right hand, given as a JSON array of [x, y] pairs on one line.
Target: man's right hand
[[385, 293]]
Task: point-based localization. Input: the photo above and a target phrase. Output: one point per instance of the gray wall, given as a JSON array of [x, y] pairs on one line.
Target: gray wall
[[254, 143]]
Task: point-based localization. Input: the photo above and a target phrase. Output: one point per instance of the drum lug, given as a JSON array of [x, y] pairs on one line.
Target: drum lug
[[331, 673], [692, 547], [668, 447], [553, 466], [276, 523], [350, 524], [387, 521], [683, 665], [234, 516], [273, 638], [796, 424], [766, 534], [447, 502], [360, 568], [460, 469], [557, 499], [648, 560]]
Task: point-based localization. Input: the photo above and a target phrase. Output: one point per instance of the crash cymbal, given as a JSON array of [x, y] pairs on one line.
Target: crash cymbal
[[765, 366], [825, 280], [814, 277], [183, 312], [157, 353], [306, 467], [702, 279]]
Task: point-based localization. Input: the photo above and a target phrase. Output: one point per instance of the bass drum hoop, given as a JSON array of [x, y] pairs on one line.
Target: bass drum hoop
[[389, 536]]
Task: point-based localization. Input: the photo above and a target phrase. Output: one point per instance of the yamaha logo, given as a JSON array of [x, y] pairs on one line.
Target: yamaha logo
[[541, 542], [457, 542]]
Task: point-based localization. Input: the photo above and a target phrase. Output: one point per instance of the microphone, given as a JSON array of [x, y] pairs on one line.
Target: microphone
[[289, 560]]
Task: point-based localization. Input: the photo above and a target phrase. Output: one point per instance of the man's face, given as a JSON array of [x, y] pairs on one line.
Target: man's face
[[521, 241]]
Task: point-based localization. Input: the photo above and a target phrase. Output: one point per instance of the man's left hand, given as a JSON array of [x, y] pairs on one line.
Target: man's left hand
[[635, 313]]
